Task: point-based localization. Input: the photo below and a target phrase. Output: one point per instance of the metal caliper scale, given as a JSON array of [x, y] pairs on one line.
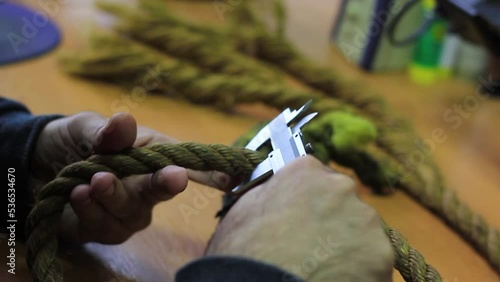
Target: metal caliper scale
[[287, 145]]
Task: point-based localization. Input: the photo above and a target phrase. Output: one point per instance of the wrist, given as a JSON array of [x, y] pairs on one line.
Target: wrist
[[232, 268], [40, 167]]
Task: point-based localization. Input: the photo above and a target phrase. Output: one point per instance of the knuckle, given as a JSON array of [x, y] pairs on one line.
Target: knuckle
[[83, 117], [220, 179], [342, 184], [309, 162], [385, 256], [387, 252], [133, 216], [87, 114], [378, 251], [304, 164], [343, 179], [371, 219], [140, 221], [370, 213]]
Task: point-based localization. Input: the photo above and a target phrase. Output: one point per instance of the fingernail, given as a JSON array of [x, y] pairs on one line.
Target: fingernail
[[172, 183], [158, 179], [109, 127], [220, 179]]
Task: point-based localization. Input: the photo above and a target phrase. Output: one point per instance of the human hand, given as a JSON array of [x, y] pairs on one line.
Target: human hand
[[309, 221], [109, 210]]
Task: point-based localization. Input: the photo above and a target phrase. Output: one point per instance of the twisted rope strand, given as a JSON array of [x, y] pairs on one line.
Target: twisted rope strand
[[200, 87], [160, 29], [423, 182], [446, 203], [181, 40], [191, 82], [409, 262], [395, 137], [273, 49], [43, 220], [178, 41], [194, 84]]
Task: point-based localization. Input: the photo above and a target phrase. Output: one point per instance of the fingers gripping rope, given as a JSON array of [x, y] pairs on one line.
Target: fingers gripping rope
[[44, 218]]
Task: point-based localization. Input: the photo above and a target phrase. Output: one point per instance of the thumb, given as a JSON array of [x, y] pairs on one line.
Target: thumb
[[105, 135]]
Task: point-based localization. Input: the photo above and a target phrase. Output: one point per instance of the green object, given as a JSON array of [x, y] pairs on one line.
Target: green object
[[350, 132], [430, 44], [425, 66]]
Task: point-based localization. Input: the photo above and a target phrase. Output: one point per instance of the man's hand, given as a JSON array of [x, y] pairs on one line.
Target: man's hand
[[308, 220], [109, 210]]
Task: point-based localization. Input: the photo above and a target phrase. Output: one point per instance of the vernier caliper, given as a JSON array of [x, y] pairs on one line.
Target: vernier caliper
[[286, 142]]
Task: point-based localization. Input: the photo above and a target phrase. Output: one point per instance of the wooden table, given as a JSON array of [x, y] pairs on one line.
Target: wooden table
[[469, 159]]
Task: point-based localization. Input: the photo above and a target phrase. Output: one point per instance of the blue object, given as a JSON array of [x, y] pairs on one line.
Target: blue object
[[25, 33]]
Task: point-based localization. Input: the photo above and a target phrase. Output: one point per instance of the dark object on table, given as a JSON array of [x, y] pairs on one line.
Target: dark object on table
[[477, 21]]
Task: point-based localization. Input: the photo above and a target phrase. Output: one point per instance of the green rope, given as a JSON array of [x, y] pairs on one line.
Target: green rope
[[409, 262], [124, 62], [185, 41], [43, 220], [239, 79], [179, 41]]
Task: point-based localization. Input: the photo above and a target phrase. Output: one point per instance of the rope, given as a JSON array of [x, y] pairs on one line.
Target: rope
[[409, 262], [124, 62], [214, 66], [179, 41], [44, 218], [176, 38]]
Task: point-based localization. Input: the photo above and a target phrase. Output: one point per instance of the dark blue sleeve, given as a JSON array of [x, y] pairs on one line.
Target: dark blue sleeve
[[19, 130], [232, 269]]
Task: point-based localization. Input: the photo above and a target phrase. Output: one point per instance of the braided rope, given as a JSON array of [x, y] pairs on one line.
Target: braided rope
[[242, 83], [181, 78], [446, 203], [123, 61], [179, 41], [44, 218], [156, 27], [395, 137], [409, 262]]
